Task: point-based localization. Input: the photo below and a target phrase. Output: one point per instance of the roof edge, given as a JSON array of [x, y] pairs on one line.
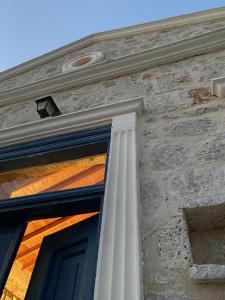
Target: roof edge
[[139, 61], [193, 18]]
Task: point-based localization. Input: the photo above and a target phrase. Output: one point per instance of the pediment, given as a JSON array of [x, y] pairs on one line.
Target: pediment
[[152, 31], [197, 45]]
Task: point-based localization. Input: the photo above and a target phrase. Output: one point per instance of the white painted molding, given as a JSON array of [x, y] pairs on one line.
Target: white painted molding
[[119, 263], [218, 87], [80, 120], [200, 44], [189, 19]]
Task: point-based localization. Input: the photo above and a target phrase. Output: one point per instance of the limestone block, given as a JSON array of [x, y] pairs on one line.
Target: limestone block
[[196, 181], [190, 128], [173, 244], [210, 107], [209, 273], [150, 196], [168, 156], [166, 102], [213, 149], [199, 95], [169, 295]]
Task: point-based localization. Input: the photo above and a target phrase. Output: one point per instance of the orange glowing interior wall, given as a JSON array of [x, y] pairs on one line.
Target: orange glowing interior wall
[[23, 265], [53, 177]]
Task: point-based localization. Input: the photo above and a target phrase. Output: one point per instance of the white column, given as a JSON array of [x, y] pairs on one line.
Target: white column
[[119, 264]]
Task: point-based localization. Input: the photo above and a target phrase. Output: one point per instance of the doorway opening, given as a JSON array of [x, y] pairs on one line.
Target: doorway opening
[[51, 197], [24, 263]]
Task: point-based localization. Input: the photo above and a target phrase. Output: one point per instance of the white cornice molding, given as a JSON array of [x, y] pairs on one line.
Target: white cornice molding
[[197, 45], [80, 120], [189, 19], [218, 87]]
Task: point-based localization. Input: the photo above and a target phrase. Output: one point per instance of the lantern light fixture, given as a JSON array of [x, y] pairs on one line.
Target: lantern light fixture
[[46, 107]]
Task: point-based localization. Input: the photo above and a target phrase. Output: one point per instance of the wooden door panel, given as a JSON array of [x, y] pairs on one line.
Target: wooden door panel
[[66, 264], [67, 267], [71, 267], [10, 237]]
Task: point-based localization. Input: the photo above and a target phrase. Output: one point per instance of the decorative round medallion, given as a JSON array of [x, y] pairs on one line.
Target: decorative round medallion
[[82, 61]]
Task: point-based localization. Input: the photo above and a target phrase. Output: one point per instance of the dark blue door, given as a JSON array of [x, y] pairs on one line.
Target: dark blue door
[[66, 265], [10, 238]]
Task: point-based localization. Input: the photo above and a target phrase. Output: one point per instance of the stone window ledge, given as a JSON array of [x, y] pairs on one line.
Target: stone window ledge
[[209, 273], [206, 231]]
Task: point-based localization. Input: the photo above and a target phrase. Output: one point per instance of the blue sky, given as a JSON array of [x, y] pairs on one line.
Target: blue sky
[[29, 28]]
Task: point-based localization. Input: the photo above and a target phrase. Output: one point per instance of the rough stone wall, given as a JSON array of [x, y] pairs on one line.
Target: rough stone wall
[[113, 49], [182, 160]]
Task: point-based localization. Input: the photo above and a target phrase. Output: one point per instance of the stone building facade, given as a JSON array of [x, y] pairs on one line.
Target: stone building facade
[[174, 65]]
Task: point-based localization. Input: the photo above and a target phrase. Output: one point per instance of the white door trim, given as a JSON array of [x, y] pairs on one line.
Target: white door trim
[[119, 263]]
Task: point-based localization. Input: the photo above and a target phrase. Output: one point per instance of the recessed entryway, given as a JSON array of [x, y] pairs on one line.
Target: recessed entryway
[[24, 264]]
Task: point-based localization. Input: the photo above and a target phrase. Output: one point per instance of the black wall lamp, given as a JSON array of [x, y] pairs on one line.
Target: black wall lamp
[[46, 107]]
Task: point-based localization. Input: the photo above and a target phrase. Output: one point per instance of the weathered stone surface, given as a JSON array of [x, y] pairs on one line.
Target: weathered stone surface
[[189, 128], [150, 132], [208, 273], [18, 115], [169, 295], [173, 81], [150, 195], [194, 201], [168, 156], [205, 109], [171, 243], [151, 297], [164, 103], [196, 181], [213, 149], [208, 245], [199, 95]]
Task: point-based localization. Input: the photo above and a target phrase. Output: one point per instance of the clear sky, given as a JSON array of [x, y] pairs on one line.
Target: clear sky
[[29, 28]]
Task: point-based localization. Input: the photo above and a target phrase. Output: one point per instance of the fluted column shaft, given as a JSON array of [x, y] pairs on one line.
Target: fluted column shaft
[[118, 269]]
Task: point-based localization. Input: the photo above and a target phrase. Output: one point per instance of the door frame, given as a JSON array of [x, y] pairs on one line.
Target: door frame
[[85, 235], [119, 274], [20, 210]]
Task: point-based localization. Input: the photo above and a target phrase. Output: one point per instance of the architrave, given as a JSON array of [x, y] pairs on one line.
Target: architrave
[[119, 262]]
